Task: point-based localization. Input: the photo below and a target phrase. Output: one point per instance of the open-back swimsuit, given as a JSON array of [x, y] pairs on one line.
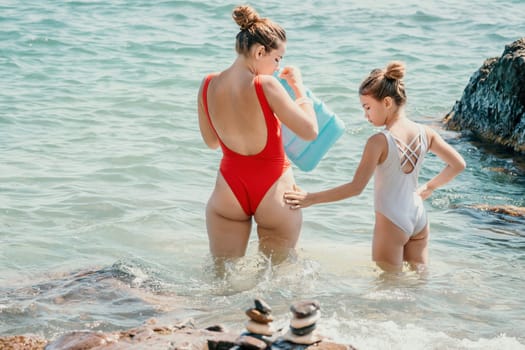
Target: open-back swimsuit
[[251, 176], [395, 193]]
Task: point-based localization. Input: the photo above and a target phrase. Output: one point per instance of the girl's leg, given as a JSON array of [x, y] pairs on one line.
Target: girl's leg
[[416, 249], [388, 244], [278, 226]]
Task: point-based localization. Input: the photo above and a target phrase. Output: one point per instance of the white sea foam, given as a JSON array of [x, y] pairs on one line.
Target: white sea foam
[[388, 335]]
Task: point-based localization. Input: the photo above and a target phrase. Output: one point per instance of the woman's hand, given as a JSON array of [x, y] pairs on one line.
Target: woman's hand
[[297, 198], [293, 77]]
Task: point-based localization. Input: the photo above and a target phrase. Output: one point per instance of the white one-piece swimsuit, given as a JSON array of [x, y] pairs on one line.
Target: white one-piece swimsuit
[[395, 193]]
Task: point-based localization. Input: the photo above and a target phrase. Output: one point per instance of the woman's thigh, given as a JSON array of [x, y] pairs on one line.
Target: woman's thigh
[[278, 226], [227, 225]]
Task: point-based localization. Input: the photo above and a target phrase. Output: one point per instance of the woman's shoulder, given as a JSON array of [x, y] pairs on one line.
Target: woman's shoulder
[[268, 81], [272, 88], [210, 76], [207, 79]]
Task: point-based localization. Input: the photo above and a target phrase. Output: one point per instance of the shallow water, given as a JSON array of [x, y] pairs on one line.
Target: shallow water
[[104, 176]]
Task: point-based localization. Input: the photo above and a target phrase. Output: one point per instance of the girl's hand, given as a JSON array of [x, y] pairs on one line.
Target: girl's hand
[[297, 198], [424, 191]]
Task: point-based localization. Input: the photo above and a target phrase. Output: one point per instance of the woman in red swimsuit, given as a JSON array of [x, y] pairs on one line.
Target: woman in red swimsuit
[[241, 110]]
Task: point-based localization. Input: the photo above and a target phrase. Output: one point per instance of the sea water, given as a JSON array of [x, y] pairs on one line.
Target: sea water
[[104, 176]]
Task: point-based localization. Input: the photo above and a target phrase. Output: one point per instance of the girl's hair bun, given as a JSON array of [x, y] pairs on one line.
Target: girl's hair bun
[[395, 70]]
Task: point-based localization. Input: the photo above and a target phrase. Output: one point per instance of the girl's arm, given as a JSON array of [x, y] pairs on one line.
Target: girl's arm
[[455, 163], [373, 154]]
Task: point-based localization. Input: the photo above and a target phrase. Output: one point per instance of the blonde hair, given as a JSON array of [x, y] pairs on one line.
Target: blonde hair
[[387, 82], [256, 30]]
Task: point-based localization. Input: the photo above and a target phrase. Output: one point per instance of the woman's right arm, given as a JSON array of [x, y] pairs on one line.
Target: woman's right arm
[[207, 133], [299, 117]]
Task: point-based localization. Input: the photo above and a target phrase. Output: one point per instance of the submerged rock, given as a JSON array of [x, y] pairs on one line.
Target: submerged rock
[[493, 102], [148, 336], [510, 210], [25, 342]]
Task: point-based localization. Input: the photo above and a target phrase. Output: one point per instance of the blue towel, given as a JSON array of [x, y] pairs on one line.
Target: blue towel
[[307, 154]]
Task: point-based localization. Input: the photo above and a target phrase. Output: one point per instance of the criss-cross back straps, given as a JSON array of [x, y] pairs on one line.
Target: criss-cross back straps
[[409, 154]]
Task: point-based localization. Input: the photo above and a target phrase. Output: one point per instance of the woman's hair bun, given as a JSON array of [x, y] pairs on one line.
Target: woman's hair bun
[[245, 16]]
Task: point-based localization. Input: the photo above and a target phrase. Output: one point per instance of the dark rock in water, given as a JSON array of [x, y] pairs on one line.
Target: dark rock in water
[[510, 210], [220, 345], [305, 321], [251, 343], [493, 102], [304, 330], [258, 316], [262, 306], [305, 308], [216, 328], [324, 345]]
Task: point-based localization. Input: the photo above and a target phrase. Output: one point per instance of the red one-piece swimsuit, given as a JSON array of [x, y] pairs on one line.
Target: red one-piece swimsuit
[[251, 176]]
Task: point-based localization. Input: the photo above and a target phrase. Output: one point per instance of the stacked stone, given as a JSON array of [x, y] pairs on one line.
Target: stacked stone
[[259, 327], [305, 315]]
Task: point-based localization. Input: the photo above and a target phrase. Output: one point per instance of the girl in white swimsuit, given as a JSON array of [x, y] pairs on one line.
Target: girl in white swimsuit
[[394, 156], [395, 191]]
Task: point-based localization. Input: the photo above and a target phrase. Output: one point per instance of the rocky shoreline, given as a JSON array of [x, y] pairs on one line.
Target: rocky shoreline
[[151, 335], [492, 106], [183, 335]]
